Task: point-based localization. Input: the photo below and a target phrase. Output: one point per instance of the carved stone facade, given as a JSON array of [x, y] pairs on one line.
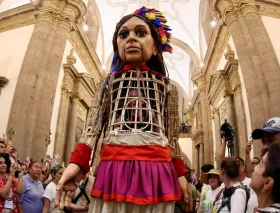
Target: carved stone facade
[[77, 95], [224, 89], [256, 55], [54, 21]]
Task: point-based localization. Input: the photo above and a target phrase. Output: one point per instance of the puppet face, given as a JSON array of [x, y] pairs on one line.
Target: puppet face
[[135, 42]]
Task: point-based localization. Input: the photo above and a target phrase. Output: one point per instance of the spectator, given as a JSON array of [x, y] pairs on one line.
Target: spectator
[[205, 169], [255, 161], [233, 199], [32, 197], [24, 168], [49, 194], [268, 134], [9, 185], [212, 178], [266, 180], [253, 201], [2, 146]]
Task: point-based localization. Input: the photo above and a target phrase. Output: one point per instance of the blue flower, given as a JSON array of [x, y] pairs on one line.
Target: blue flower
[[164, 47], [157, 23], [143, 12]]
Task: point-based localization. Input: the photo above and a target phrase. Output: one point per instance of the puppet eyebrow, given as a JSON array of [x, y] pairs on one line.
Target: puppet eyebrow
[[140, 25]]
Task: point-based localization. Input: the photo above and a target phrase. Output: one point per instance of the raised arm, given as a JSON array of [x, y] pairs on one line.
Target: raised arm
[[221, 153], [248, 162]]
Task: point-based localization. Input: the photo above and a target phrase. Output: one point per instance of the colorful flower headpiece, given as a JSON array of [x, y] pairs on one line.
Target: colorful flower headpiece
[[160, 23]]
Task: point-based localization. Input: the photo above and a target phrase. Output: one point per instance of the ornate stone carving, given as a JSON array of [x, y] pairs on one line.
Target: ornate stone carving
[[76, 97], [237, 88], [229, 9], [48, 139], [229, 55], [215, 111], [228, 95], [11, 132], [65, 90], [3, 81], [64, 13], [71, 59]]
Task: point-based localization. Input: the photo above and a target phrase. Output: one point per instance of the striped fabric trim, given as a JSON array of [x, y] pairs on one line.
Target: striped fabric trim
[[135, 200], [136, 152]]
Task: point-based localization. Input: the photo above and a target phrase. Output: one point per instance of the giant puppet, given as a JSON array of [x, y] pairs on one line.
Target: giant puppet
[[137, 172]]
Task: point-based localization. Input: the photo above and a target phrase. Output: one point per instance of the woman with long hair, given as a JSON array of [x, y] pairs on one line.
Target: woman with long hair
[[9, 185], [266, 180]]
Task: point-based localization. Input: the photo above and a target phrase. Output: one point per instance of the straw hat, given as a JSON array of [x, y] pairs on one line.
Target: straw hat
[[204, 177]]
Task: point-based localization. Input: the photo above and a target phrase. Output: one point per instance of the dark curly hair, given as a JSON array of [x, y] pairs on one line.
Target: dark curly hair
[[272, 169], [156, 62]]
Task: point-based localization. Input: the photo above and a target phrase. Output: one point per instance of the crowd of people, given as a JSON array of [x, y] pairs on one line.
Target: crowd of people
[[250, 185], [238, 186], [30, 186]]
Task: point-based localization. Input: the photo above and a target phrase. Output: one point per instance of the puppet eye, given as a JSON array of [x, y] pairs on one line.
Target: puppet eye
[[141, 33], [123, 34]]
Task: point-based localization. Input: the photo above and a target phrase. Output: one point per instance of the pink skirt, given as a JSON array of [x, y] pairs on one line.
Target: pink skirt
[[138, 182]]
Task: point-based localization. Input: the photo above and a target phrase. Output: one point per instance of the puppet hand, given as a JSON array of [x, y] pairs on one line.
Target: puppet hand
[[67, 185], [183, 186]]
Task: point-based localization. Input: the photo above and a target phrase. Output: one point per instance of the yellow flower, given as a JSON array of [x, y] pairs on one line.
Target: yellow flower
[[150, 16], [163, 39]]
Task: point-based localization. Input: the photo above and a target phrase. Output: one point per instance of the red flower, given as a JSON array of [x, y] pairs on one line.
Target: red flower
[[161, 31], [137, 12]]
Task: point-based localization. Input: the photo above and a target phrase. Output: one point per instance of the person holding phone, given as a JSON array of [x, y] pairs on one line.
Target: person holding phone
[[9, 185]]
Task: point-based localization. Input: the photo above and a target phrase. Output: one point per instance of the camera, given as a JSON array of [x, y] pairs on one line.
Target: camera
[[228, 133]]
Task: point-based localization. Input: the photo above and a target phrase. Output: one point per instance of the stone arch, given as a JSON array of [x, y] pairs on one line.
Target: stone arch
[[184, 46], [93, 20]]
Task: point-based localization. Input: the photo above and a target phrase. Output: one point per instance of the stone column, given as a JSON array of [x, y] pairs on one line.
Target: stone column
[[256, 56], [3, 82], [32, 106], [231, 118], [70, 138], [205, 117], [61, 133], [218, 140], [242, 136], [196, 163], [201, 156]]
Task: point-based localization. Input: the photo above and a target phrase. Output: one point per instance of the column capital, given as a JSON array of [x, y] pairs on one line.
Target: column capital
[[65, 91], [237, 88], [3, 81], [200, 80], [215, 112], [228, 94], [229, 9], [64, 13], [76, 97]]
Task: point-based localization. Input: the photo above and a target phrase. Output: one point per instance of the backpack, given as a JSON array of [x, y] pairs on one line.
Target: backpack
[[82, 192], [227, 193]]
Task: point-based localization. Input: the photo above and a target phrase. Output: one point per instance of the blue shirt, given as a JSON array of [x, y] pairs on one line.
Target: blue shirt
[[32, 196]]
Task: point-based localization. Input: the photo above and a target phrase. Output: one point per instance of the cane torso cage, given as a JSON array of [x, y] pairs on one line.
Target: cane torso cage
[[137, 102]]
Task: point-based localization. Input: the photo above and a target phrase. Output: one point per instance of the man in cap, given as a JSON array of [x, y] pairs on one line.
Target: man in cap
[[268, 134]]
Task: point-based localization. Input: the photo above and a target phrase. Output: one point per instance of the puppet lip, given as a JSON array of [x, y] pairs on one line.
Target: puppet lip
[[132, 47]]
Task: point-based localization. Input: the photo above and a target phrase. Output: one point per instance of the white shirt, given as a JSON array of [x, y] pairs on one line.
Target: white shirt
[[206, 201], [237, 202], [50, 194], [253, 200]]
